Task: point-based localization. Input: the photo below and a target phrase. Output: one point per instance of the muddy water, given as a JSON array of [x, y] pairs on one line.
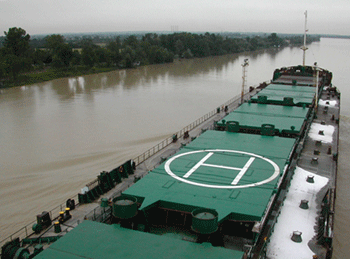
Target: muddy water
[[57, 136]]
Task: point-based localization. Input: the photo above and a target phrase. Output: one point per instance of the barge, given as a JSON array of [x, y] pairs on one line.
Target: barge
[[228, 185]]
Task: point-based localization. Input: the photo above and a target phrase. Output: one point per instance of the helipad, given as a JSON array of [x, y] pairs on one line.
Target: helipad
[[233, 173], [222, 170]]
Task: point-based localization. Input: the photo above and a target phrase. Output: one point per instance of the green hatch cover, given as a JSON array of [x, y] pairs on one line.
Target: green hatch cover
[[231, 173], [100, 241], [254, 115]]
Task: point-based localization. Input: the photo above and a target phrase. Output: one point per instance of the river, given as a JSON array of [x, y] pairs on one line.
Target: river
[[57, 136]]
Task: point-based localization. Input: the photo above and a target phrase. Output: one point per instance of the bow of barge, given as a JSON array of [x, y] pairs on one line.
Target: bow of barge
[[226, 187]]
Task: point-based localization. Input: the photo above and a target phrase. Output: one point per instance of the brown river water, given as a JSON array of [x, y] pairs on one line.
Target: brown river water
[[57, 136]]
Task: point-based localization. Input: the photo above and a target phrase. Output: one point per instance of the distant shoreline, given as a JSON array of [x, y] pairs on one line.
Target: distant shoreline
[[49, 74]]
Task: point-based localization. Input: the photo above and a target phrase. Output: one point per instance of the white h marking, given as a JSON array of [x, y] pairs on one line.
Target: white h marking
[[238, 177]]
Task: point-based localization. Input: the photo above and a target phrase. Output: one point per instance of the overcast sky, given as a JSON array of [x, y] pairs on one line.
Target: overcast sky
[[65, 16]]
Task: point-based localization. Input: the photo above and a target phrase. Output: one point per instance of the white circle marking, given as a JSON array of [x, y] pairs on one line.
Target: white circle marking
[[274, 175]]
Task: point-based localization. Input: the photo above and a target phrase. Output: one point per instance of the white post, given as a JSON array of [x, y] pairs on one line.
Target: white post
[[244, 65], [316, 86], [304, 48]]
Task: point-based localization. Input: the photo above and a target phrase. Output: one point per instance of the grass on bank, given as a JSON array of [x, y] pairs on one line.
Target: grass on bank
[[50, 74]]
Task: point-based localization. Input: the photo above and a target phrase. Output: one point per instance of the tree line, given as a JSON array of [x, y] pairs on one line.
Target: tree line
[[17, 55]]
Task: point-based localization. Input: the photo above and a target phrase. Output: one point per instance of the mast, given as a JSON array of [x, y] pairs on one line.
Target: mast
[[304, 48], [244, 65], [316, 85]]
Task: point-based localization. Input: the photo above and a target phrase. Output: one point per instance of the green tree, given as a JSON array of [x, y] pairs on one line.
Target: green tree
[[16, 52], [17, 42], [129, 56], [2, 67], [54, 41], [39, 57], [114, 48], [61, 52], [76, 60], [88, 54]]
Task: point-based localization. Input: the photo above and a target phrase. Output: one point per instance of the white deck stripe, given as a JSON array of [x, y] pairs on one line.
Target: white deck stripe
[[242, 172], [222, 166], [198, 165]]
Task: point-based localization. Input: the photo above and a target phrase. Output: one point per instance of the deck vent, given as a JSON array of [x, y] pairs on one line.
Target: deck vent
[[288, 101], [296, 237], [314, 160], [204, 221], [321, 132], [232, 126], [316, 152], [262, 99], [304, 204], [318, 142], [323, 123], [329, 151], [104, 202], [310, 179], [268, 129], [125, 207]]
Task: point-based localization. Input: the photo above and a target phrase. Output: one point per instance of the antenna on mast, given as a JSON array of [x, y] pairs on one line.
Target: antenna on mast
[[304, 48], [244, 65]]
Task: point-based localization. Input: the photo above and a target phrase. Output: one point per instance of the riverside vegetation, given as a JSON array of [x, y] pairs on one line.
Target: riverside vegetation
[[26, 61]]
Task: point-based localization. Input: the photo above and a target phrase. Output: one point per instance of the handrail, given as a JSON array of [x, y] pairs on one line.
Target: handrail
[[150, 152], [27, 229]]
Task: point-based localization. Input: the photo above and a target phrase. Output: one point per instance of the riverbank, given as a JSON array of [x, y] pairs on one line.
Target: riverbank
[[48, 74], [51, 74]]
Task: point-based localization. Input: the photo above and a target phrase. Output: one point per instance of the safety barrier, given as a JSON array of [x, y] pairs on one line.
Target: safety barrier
[[27, 231], [150, 152], [106, 180]]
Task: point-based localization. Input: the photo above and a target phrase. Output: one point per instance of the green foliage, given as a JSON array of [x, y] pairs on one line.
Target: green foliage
[[54, 41], [60, 51], [89, 53], [76, 59], [16, 53], [17, 42], [114, 52], [94, 54]]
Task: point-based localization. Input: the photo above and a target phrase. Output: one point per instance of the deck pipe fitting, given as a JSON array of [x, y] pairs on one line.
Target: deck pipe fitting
[[323, 123], [321, 132], [329, 151], [318, 143], [64, 215], [296, 237], [310, 179], [61, 217], [57, 227], [314, 160], [67, 214], [304, 204], [104, 202], [316, 152]]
